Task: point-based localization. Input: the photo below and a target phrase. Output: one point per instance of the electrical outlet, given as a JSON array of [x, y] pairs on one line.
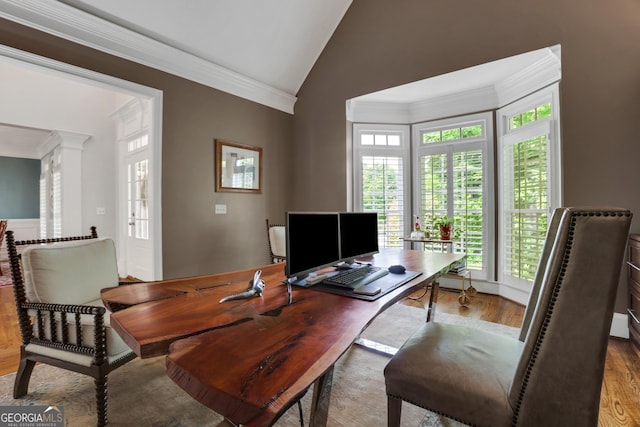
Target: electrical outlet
[[221, 209], [101, 211]]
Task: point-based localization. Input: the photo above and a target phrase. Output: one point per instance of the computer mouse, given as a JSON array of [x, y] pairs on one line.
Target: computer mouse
[[397, 269]]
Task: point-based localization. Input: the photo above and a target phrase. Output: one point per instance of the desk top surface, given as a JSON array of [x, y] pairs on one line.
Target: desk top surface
[[250, 359]]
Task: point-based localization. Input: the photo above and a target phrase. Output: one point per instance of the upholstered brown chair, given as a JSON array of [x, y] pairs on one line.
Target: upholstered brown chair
[[62, 320], [276, 235], [554, 377]]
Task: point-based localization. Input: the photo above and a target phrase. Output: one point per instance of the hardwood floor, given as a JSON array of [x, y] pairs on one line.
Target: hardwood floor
[[620, 388], [9, 332]]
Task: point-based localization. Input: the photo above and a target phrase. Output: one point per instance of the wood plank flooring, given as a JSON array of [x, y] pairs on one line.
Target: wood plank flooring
[[619, 402], [9, 332]]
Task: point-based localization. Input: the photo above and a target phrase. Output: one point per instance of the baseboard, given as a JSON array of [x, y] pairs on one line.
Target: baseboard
[[619, 324]]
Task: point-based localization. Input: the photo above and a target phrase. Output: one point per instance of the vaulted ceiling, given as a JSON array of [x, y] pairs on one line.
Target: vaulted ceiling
[[275, 42], [261, 50]]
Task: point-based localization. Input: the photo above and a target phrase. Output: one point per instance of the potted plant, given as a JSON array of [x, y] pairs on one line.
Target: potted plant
[[444, 226]]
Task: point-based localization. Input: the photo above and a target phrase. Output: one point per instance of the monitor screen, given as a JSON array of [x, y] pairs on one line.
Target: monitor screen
[[358, 235], [313, 242]]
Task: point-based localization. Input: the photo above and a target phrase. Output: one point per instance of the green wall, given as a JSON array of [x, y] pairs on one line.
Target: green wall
[[19, 188]]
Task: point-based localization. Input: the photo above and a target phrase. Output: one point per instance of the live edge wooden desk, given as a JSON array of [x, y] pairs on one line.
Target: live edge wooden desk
[[250, 360]]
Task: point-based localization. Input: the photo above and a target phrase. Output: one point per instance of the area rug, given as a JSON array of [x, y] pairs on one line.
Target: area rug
[[141, 394], [5, 278]]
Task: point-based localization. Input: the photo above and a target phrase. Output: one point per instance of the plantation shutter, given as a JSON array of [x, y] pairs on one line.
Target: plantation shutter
[[51, 195], [381, 179], [452, 185], [526, 202], [451, 180], [44, 215]]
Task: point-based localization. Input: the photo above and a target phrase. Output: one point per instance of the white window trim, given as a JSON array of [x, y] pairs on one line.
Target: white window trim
[[403, 151], [518, 290], [485, 143]]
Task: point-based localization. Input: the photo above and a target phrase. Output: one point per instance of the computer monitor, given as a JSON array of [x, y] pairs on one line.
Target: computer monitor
[[312, 242], [358, 235]]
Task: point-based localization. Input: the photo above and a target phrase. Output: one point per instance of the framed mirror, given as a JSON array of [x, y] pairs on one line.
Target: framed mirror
[[238, 167]]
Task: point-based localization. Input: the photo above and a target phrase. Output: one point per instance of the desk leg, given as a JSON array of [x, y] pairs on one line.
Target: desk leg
[[321, 399], [433, 300]]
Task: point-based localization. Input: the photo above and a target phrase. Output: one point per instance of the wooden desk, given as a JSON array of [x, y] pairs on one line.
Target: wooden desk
[[250, 360]]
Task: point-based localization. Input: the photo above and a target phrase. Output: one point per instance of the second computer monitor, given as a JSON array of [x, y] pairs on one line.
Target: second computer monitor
[[358, 235]]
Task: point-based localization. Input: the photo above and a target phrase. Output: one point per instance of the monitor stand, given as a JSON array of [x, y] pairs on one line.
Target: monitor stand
[[346, 265]]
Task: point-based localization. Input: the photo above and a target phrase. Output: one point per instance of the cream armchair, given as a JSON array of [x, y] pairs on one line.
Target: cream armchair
[[61, 316]]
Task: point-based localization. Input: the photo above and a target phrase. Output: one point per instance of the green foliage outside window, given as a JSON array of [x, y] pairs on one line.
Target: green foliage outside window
[[540, 112], [528, 221], [466, 205], [383, 194], [452, 134]]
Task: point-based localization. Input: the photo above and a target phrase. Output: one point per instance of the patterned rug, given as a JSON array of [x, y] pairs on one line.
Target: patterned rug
[[141, 394], [5, 278]]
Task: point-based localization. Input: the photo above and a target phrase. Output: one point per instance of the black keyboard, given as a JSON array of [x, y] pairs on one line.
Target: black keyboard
[[356, 277]]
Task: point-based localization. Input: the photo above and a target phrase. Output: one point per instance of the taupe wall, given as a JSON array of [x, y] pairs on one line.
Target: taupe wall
[[381, 44], [195, 240]]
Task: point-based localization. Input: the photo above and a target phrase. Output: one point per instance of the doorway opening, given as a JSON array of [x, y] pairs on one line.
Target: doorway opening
[[55, 98]]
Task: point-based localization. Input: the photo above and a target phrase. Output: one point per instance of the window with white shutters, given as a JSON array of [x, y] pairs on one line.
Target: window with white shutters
[[51, 195], [529, 159], [381, 179], [445, 168], [44, 213], [452, 162]]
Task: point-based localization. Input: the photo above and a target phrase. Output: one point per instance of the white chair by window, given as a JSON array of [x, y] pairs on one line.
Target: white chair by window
[[276, 235]]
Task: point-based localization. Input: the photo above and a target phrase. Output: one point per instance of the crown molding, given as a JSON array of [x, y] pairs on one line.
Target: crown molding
[[454, 104], [377, 112], [77, 26], [470, 101], [63, 139], [536, 76]]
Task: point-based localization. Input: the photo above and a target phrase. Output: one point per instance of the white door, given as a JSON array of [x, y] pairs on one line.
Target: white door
[[139, 214]]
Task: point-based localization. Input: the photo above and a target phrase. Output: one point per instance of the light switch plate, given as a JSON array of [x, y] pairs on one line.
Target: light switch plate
[[221, 209]]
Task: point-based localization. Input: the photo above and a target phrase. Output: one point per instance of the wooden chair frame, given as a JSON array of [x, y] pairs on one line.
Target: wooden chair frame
[[3, 227], [100, 366]]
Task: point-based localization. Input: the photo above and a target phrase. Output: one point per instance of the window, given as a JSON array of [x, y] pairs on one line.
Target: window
[[44, 194], [452, 174], [139, 142], [137, 165], [452, 178], [51, 195], [529, 160], [381, 179]]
